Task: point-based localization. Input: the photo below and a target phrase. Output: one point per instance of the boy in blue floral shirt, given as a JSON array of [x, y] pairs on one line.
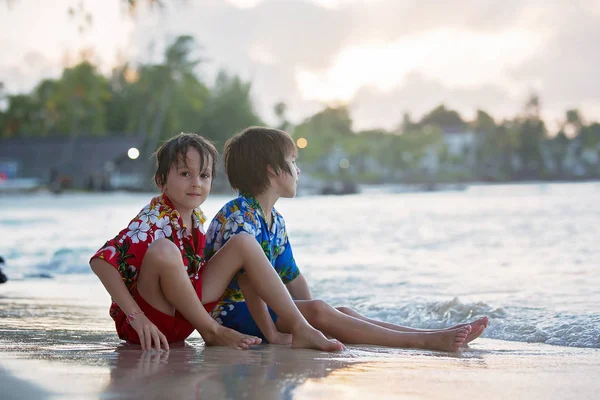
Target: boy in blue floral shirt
[[261, 165]]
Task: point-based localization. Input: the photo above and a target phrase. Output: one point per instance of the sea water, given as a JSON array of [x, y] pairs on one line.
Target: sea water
[[525, 255]]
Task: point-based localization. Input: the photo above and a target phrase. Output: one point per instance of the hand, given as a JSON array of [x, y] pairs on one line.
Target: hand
[[149, 363], [279, 338], [148, 333]]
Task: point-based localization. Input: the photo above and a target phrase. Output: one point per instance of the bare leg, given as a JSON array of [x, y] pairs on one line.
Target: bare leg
[[477, 326], [357, 331], [164, 284], [259, 312], [242, 250]]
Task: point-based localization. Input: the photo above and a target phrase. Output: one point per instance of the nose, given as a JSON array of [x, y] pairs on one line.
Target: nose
[[196, 182]]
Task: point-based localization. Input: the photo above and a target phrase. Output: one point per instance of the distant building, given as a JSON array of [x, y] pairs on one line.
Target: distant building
[[98, 163], [460, 143], [457, 153]]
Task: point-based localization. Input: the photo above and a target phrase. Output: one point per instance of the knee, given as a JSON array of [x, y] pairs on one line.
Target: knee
[[163, 252], [320, 311], [241, 240], [346, 310]]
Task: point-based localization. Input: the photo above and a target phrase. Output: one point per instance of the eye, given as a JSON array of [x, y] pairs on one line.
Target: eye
[[204, 175], [185, 174]]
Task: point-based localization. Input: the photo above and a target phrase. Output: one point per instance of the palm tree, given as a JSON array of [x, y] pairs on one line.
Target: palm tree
[[176, 68]]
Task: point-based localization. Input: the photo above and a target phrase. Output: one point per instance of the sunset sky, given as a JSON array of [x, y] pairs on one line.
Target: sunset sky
[[382, 57]]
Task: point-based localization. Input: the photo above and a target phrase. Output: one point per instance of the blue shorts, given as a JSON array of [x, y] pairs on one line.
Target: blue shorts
[[240, 320]]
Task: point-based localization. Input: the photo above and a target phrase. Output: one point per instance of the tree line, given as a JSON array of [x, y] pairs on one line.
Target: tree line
[[156, 100]]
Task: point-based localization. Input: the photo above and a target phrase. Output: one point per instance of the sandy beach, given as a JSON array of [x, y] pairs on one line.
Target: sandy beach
[[57, 341]]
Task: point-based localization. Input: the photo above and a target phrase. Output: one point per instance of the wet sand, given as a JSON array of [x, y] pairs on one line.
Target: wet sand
[[57, 341]]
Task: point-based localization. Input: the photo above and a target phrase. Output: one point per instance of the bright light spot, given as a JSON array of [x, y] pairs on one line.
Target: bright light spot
[[344, 163], [456, 58], [131, 75], [301, 143], [133, 153]]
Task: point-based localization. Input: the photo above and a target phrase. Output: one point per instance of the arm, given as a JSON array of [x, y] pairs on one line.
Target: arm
[[111, 279], [298, 288], [260, 313]]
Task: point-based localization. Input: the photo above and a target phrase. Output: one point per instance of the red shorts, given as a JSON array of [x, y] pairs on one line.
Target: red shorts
[[175, 327]]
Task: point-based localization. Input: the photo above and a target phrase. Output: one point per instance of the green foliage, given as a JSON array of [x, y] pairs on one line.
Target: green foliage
[[20, 116], [443, 117], [323, 131], [80, 99], [228, 110], [76, 103], [157, 100], [590, 136]]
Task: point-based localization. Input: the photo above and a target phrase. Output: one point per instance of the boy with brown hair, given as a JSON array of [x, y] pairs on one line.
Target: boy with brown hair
[[261, 165]]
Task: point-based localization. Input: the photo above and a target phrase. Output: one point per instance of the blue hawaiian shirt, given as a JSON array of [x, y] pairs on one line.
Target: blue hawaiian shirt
[[244, 214]]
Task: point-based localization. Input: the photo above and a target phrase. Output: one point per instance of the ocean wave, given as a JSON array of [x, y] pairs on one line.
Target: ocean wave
[[40, 263], [21, 221], [520, 324]]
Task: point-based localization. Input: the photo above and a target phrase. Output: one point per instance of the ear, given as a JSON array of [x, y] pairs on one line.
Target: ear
[[160, 186], [271, 171]]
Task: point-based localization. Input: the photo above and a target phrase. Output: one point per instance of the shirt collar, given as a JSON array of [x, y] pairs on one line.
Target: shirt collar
[[253, 202], [198, 217]]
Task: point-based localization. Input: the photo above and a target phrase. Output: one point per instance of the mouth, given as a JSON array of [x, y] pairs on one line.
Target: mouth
[[194, 194]]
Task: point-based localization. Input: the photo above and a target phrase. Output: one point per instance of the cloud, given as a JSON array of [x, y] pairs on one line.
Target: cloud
[[266, 43], [489, 54], [566, 69], [294, 32], [33, 64], [372, 108], [282, 45]]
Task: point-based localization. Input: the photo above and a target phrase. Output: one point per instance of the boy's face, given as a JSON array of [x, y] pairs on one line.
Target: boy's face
[[285, 182], [186, 186]]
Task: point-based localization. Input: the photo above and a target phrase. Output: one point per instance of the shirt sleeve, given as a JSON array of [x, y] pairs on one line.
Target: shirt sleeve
[[126, 251], [229, 221], [238, 220], [214, 235], [285, 264]]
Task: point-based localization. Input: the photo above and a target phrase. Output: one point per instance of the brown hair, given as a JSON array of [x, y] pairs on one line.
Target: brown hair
[[176, 147], [248, 154]]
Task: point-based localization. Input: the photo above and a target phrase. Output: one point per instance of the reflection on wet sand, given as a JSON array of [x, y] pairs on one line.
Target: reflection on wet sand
[[186, 371], [51, 349]]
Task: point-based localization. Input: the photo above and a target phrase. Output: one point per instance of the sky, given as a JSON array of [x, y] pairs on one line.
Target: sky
[[380, 57]]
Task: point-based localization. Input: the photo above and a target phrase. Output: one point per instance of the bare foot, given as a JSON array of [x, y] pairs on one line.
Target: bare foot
[[448, 340], [230, 338], [310, 338], [474, 335], [280, 338], [477, 328]]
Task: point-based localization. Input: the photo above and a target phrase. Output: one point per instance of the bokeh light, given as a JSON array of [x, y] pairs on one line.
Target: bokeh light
[[133, 153], [301, 143]]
